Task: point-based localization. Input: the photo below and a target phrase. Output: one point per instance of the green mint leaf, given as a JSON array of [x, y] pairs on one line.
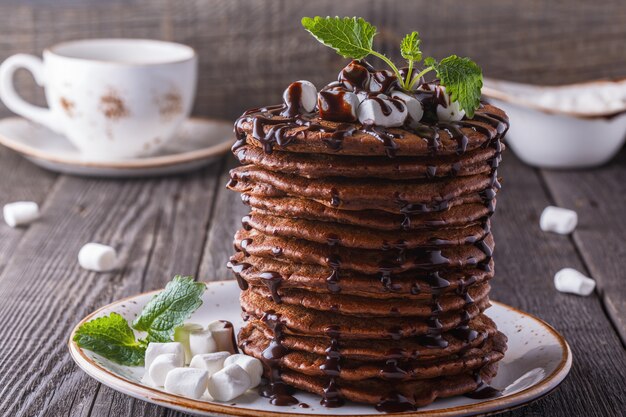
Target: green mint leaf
[[111, 337], [430, 61], [463, 80], [351, 37], [410, 47], [170, 308]]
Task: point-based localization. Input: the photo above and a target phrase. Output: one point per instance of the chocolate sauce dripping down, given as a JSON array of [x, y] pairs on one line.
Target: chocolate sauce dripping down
[[395, 403], [332, 368], [385, 136], [275, 389], [332, 282], [238, 268], [272, 281], [484, 390]]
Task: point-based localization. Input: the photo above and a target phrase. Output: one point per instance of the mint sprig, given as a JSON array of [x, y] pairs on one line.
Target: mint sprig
[[112, 337], [353, 38], [170, 308]]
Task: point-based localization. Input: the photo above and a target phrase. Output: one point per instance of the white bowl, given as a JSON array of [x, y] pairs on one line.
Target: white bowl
[[560, 127]]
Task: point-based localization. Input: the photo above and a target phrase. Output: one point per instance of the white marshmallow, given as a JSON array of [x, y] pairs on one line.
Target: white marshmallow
[[224, 335], [156, 349], [97, 257], [571, 281], [229, 383], [251, 365], [20, 213], [413, 105], [306, 96], [162, 365], [371, 112], [201, 341], [210, 362], [451, 112], [558, 220], [181, 335], [338, 105], [188, 382]]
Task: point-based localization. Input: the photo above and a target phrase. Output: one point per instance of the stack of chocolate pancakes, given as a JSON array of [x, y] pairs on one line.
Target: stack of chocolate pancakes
[[366, 258]]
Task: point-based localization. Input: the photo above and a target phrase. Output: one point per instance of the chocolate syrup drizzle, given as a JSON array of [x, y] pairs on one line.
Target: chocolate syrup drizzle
[[280, 133]]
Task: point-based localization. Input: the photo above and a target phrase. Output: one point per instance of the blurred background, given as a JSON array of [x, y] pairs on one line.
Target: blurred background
[[250, 50]]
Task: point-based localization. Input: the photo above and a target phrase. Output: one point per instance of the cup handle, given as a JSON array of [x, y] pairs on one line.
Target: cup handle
[[17, 104]]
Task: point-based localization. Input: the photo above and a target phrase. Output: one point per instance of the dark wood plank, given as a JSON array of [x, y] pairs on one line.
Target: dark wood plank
[[526, 260], [21, 181], [599, 198], [157, 226]]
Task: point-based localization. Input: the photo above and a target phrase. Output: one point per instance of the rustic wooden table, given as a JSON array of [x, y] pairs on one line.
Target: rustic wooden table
[[184, 225]]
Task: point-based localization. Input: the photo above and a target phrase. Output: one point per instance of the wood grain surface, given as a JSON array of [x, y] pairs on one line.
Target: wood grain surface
[[249, 51]]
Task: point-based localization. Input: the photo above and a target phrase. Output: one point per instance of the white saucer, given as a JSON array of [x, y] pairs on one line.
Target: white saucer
[[197, 143], [537, 360]]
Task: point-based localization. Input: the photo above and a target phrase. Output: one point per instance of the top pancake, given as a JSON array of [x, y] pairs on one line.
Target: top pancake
[[302, 139]]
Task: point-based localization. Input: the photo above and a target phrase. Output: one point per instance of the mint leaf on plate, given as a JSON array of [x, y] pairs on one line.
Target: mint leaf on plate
[[463, 80], [111, 337], [170, 308], [351, 37]]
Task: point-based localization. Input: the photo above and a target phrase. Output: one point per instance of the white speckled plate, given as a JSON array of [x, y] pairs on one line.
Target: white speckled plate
[[197, 143], [537, 360]]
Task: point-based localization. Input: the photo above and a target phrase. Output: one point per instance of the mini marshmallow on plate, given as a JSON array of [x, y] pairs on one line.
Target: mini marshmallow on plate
[[571, 281], [210, 362], [301, 94], [97, 257], [162, 365], [20, 213], [251, 365], [155, 349], [451, 112], [558, 220], [181, 335], [224, 335], [229, 383], [201, 341], [188, 382], [371, 112]]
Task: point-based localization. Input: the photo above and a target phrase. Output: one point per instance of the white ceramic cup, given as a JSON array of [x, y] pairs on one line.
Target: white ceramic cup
[[112, 98]]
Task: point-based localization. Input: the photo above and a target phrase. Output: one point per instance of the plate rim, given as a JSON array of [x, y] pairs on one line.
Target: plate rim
[[128, 164], [159, 397]]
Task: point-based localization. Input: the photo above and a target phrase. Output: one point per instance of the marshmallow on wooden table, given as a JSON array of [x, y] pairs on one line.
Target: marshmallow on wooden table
[[155, 349], [188, 382], [251, 365], [210, 362], [162, 365], [201, 341], [97, 257], [571, 281], [558, 220], [224, 335], [379, 111], [20, 213], [181, 335], [229, 383]]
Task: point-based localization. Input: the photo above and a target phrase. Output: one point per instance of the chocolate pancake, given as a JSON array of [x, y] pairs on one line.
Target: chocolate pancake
[[267, 129], [470, 359], [392, 397], [366, 261], [359, 194], [355, 237], [382, 349], [301, 321], [287, 206], [401, 168], [360, 306], [411, 285]]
